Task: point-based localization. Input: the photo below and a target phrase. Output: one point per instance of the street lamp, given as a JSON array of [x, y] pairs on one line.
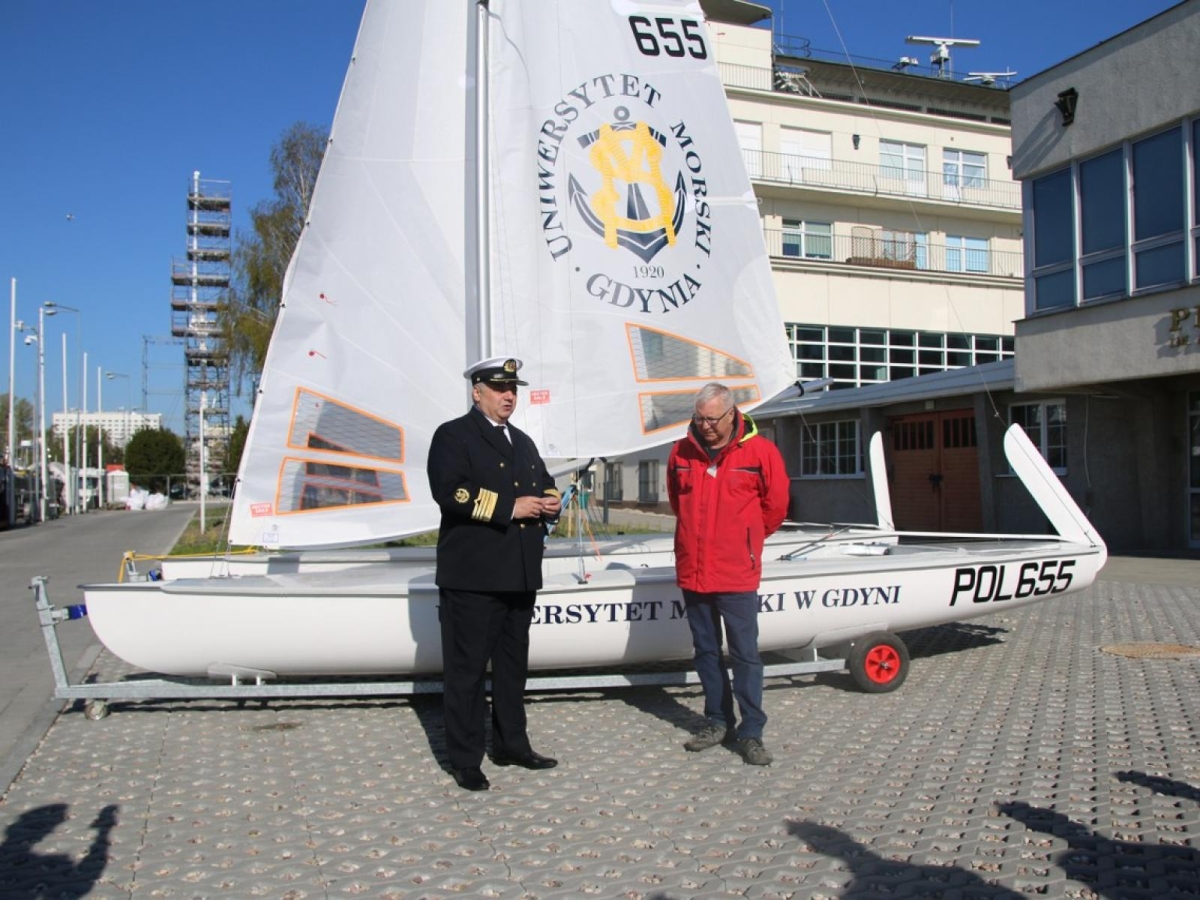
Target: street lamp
[[72, 498], [41, 437], [110, 376]]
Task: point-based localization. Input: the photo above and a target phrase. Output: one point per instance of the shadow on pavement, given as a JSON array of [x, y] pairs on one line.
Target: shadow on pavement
[[26, 874], [874, 876]]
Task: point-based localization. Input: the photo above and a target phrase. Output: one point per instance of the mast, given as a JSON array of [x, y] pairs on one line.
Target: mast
[[483, 338]]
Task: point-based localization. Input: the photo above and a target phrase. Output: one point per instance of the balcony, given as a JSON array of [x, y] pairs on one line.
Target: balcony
[[863, 178], [899, 250]]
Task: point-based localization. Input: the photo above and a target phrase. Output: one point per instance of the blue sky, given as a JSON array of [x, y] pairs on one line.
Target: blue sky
[[107, 107]]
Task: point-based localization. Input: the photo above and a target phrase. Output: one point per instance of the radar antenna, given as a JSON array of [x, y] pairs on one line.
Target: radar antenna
[[989, 78], [940, 58]]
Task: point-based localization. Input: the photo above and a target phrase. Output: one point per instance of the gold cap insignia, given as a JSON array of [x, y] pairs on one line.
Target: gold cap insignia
[[462, 495], [510, 365]]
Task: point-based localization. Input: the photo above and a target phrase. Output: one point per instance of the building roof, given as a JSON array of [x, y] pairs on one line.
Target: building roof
[[736, 12], [997, 376]]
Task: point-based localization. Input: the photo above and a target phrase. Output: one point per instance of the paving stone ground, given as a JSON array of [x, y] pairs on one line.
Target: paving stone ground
[[1019, 760]]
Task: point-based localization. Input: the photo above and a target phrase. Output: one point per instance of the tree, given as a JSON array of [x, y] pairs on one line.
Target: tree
[[152, 456], [260, 260], [237, 443], [23, 416]]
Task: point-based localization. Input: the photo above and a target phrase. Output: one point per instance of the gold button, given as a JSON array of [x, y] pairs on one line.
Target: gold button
[[516, 484], [522, 524], [502, 465]]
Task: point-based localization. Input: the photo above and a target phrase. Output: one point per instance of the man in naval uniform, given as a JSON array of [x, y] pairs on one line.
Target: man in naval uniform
[[495, 494]]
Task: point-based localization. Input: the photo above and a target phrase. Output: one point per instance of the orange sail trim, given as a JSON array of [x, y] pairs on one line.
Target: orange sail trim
[[321, 423], [662, 356], [316, 485], [661, 410]]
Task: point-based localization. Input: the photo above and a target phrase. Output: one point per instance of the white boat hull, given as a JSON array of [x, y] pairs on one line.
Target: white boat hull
[[370, 620], [562, 554]]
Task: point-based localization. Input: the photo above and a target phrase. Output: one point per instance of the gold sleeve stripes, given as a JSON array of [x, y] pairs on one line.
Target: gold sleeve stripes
[[485, 505], [553, 492]]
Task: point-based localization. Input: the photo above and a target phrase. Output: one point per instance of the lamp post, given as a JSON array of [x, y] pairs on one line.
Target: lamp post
[[100, 434], [110, 376], [52, 308], [10, 485], [41, 436]]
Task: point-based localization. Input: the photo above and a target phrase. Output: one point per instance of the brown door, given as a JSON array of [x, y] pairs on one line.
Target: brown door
[[935, 472]]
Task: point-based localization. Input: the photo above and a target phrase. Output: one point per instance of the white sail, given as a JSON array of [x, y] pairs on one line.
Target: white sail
[[628, 264], [625, 260], [369, 349]]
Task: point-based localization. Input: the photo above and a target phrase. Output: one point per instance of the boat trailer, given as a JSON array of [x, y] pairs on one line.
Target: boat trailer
[[250, 684]]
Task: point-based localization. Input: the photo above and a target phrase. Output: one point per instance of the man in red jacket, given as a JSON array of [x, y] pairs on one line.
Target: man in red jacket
[[729, 489]]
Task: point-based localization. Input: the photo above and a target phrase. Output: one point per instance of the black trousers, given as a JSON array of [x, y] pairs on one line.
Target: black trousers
[[476, 628]]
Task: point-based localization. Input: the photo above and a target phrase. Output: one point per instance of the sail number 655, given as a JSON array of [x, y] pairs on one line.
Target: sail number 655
[[682, 37]]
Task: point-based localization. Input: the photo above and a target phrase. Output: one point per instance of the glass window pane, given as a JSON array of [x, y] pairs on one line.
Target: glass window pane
[[1103, 278], [958, 342], [1054, 291], [1196, 180], [872, 354], [841, 335], [872, 337], [930, 339], [1052, 241], [810, 334], [1158, 185], [841, 353], [1102, 202], [1162, 265], [985, 342], [902, 338], [901, 356], [899, 372], [958, 358]]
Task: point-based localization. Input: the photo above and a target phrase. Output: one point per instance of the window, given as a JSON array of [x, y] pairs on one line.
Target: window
[[648, 481], [857, 356], [807, 240], [802, 150], [830, 449], [1158, 210], [614, 482], [1053, 242], [1102, 225], [962, 169], [904, 162], [1046, 425], [749, 136], [966, 254], [1196, 197]]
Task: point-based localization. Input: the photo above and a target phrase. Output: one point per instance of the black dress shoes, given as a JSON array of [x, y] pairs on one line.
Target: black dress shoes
[[529, 760], [471, 779]]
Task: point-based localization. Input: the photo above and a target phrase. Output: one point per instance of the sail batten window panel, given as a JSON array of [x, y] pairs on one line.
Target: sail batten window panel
[[669, 409], [659, 356], [306, 485], [321, 423]]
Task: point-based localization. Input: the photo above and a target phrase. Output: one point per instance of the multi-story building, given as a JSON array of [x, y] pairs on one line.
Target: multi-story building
[[118, 425], [1107, 147], [893, 225]]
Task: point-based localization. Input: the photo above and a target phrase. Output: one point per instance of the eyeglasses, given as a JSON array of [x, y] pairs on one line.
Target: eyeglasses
[[710, 422]]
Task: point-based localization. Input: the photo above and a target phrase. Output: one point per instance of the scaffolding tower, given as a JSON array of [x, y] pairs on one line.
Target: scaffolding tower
[[199, 287]]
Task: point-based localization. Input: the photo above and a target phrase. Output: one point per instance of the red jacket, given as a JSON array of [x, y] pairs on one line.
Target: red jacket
[[723, 518]]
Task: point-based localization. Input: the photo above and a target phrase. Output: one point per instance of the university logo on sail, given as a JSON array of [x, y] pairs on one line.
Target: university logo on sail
[[624, 196]]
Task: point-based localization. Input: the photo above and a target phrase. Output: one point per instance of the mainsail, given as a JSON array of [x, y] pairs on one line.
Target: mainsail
[[628, 264], [625, 260]]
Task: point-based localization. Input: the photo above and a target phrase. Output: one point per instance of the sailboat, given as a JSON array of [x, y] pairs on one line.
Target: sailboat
[[558, 182]]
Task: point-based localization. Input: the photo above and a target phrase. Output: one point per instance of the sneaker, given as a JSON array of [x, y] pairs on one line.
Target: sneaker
[[708, 736], [755, 753]]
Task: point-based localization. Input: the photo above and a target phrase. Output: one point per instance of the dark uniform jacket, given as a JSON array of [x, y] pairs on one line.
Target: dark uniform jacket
[[476, 474]]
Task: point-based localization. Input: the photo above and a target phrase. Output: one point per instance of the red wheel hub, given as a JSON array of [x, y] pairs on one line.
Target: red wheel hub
[[882, 663]]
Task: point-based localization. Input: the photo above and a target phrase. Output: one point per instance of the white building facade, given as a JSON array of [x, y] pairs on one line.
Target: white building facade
[[119, 425]]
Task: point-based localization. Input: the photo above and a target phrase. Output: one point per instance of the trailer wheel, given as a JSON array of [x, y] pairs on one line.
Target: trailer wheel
[[95, 710], [878, 662]]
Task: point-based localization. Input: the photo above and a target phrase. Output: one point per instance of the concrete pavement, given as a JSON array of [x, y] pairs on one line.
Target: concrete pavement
[[1022, 757], [71, 550]]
